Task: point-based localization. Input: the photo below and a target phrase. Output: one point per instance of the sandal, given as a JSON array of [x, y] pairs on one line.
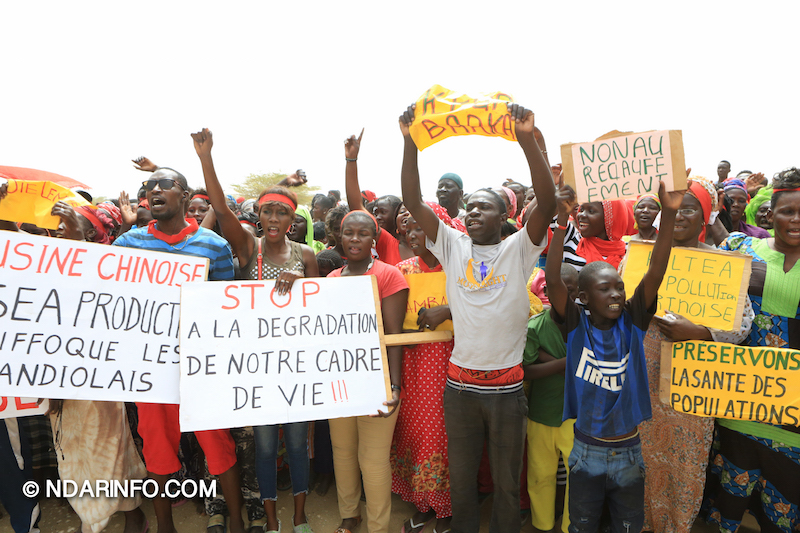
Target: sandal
[[345, 530], [257, 525], [216, 523], [410, 527]]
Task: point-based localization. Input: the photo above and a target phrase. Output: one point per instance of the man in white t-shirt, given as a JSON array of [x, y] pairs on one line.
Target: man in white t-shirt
[[486, 290]]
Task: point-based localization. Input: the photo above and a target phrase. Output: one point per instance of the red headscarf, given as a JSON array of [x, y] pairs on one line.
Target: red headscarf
[[700, 192], [101, 223], [618, 220]]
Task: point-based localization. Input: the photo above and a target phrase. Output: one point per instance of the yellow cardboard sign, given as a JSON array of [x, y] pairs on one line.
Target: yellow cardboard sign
[[32, 201], [707, 287], [425, 290], [624, 165], [716, 379], [442, 113]]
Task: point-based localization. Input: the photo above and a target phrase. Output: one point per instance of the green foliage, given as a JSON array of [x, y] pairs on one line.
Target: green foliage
[[255, 183]]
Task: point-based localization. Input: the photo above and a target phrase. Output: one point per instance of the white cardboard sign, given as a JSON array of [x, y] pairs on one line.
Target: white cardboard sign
[[11, 407], [87, 321], [252, 357]]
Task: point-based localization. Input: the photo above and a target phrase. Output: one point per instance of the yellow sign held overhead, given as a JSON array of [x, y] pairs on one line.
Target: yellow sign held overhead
[[442, 113]]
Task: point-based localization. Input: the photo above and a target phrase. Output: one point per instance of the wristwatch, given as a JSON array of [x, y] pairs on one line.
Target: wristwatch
[[396, 387]]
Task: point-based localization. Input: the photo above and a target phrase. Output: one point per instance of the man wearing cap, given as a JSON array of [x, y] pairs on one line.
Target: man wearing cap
[[450, 192]]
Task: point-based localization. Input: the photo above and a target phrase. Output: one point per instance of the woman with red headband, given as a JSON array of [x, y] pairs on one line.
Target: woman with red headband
[[757, 467], [361, 444], [273, 256], [675, 445]]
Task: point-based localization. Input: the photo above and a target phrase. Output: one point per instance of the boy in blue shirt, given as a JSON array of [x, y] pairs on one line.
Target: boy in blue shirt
[[606, 379]]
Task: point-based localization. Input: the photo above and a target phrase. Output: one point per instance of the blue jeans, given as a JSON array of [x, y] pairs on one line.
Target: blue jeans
[[296, 437], [598, 474], [501, 420]]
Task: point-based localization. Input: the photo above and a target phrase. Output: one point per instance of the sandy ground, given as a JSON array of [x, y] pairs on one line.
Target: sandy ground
[[322, 512]]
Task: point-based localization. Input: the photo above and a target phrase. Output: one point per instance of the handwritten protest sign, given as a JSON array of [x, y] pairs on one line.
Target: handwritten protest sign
[[425, 290], [252, 357], [624, 165], [86, 321], [707, 287], [759, 383], [11, 407], [32, 201], [442, 113]]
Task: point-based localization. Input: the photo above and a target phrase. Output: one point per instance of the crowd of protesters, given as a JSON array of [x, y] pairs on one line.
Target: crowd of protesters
[[533, 285]]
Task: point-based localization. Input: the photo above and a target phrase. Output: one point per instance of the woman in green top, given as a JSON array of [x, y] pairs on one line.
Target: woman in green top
[[758, 465]]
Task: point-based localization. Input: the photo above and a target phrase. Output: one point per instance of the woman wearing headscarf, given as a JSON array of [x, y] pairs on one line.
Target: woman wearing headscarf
[[675, 445], [602, 226], [756, 211], [420, 471], [645, 210], [736, 191], [757, 466], [302, 230]]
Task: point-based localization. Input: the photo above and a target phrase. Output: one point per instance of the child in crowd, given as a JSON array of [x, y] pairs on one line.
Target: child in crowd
[[544, 362], [606, 379]]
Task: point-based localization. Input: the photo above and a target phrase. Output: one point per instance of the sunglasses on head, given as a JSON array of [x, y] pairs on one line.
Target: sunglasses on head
[[164, 184]]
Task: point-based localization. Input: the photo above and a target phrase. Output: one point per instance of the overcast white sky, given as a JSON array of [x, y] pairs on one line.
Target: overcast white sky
[[85, 87]]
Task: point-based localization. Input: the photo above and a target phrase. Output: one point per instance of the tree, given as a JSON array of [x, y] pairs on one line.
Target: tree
[[255, 183]]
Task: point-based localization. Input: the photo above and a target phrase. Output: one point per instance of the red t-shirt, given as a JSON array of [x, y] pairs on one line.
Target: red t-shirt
[[390, 280], [388, 248]]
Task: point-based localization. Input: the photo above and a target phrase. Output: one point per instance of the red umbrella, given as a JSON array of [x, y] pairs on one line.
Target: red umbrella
[[29, 174]]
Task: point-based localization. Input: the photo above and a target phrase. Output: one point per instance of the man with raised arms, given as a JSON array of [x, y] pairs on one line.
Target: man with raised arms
[[486, 288]]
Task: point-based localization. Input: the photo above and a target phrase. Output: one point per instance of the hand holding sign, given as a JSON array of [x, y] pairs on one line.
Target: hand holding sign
[[69, 219], [431, 318], [406, 119], [670, 201], [678, 328], [393, 403]]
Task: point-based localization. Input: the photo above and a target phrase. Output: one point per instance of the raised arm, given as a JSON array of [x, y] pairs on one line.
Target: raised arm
[[557, 291], [530, 138], [409, 180], [352, 189], [240, 240], [670, 202]]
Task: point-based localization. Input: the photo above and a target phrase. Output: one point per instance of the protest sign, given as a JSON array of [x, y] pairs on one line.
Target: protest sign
[[624, 165], [11, 407], [706, 286], [87, 321], [252, 357], [442, 113], [425, 291], [757, 383], [32, 201]]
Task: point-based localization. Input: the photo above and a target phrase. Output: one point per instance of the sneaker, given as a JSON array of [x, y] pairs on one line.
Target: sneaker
[[303, 528], [273, 530]]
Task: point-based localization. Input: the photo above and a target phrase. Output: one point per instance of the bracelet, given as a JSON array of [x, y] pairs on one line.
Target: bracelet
[[396, 387], [562, 228], [544, 151], [350, 160]]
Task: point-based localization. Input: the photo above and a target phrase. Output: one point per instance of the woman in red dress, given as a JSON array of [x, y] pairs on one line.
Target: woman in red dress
[[420, 472]]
